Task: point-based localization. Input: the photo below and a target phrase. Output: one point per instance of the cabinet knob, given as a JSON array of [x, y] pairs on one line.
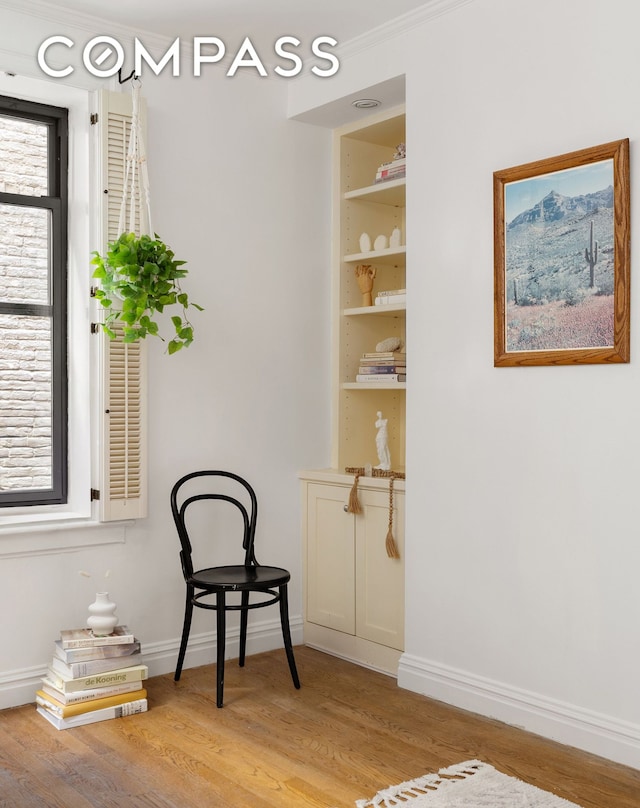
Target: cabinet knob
[[345, 508]]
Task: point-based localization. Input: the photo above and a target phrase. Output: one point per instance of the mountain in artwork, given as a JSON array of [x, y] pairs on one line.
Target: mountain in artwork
[[545, 248], [554, 207]]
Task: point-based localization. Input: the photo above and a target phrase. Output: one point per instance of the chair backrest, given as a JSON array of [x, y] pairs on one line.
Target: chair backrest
[[244, 501]]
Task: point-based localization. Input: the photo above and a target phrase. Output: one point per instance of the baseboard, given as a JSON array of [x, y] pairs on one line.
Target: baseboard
[[18, 687], [566, 723]]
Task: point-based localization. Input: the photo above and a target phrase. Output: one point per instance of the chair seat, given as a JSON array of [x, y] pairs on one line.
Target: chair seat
[[238, 578]]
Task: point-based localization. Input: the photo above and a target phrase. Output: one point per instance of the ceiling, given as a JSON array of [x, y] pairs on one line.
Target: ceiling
[[263, 21]]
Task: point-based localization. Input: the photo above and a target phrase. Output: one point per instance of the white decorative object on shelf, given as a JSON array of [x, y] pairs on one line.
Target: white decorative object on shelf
[[396, 238], [389, 344], [382, 443], [102, 615], [365, 243], [380, 243]]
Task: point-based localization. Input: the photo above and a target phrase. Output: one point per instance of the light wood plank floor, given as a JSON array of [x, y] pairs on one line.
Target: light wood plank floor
[[347, 733]]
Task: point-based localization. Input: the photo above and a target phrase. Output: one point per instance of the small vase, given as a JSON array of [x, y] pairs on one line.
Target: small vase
[[365, 243], [103, 618], [396, 238]]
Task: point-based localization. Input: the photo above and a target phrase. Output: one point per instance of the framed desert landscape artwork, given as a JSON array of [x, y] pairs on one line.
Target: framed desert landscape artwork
[[562, 253]]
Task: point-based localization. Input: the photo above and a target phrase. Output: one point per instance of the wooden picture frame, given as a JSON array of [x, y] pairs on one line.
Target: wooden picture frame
[[562, 259]]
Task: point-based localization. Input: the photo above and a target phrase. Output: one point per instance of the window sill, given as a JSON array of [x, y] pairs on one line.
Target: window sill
[[62, 535]]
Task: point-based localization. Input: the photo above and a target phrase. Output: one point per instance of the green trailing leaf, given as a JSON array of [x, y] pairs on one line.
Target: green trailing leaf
[[142, 273], [128, 317]]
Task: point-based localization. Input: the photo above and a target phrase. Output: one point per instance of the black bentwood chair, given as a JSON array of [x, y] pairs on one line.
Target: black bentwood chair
[[270, 583]]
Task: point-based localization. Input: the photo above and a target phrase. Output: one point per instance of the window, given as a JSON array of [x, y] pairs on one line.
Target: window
[[104, 412], [33, 303]]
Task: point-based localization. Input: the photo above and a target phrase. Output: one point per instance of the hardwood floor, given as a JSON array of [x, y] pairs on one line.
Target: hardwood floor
[[347, 733]]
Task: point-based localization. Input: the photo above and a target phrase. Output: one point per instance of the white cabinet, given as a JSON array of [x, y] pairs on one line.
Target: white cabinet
[[354, 592]]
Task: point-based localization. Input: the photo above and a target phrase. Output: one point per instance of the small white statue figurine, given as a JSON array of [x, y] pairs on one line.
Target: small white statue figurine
[[382, 445]]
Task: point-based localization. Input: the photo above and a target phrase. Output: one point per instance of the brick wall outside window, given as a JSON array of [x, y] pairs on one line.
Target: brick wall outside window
[[25, 341]]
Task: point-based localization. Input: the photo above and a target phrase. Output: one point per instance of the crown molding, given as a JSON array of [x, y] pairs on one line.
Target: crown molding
[[400, 25], [62, 16], [89, 23], [43, 10]]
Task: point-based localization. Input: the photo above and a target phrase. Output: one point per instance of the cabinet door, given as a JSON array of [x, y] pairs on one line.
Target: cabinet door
[[330, 558], [379, 579]]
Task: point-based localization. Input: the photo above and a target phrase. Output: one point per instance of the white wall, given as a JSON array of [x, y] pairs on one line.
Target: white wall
[[240, 193], [522, 558], [522, 553]]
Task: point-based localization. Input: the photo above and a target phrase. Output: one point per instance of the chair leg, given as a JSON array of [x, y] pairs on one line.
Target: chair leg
[[286, 635], [186, 628], [220, 642], [244, 615]]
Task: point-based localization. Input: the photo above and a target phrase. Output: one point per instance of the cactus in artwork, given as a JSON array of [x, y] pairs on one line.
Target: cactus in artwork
[[591, 256]]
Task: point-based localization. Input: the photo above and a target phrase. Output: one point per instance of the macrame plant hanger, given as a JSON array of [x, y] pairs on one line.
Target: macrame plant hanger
[[135, 190]]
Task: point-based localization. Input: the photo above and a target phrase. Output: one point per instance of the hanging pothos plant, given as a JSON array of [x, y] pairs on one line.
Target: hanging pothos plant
[[142, 273]]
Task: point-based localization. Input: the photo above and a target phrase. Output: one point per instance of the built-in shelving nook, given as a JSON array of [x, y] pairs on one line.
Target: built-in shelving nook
[[364, 206]]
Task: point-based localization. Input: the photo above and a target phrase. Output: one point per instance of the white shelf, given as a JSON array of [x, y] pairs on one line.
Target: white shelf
[[392, 255], [390, 192], [374, 386], [387, 310]]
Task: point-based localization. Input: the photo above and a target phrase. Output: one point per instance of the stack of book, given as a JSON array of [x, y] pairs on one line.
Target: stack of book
[[391, 297], [393, 170], [93, 678], [383, 366]]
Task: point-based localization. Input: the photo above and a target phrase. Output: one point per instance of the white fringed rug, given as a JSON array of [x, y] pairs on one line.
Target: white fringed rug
[[466, 785]]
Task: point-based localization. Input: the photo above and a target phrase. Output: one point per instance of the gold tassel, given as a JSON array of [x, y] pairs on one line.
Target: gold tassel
[[354, 505], [390, 544]]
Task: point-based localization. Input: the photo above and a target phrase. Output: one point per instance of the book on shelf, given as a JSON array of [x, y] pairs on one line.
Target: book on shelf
[[364, 370], [398, 161], [390, 300], [117, 711], [399, 164], [62, 710], [381, 377], [85, 638], [67, 684], [69, 655], [76, 670], [386, 177], [390, 292], [90, 694], [383, 362], [394, 170], [385, 355]]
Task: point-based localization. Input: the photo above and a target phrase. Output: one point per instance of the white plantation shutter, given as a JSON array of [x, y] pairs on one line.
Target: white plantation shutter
[[123, 444]]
